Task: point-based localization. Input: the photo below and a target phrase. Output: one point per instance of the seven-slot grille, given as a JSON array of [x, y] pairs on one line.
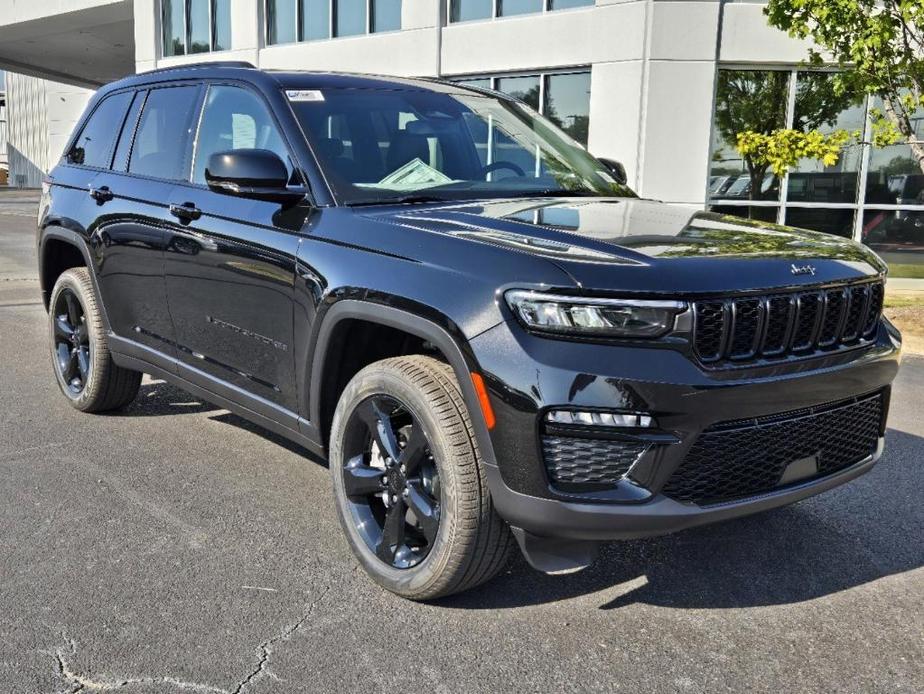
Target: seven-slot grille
[[794, 323]]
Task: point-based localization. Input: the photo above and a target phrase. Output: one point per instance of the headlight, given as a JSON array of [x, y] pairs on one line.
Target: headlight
[[588, 316]]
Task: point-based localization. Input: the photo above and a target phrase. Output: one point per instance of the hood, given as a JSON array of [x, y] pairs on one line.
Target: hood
[[647, 246]]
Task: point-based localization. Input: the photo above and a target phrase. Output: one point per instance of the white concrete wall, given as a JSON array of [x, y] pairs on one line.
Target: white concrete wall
[[41, 116]]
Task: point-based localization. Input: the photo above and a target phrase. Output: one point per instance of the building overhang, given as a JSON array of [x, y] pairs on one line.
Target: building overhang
[[81, 42]]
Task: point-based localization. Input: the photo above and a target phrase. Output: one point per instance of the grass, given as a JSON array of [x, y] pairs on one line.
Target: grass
[[904, 301], [914, 271]]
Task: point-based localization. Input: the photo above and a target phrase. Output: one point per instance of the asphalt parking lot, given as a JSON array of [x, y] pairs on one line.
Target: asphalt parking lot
[[176, 548]]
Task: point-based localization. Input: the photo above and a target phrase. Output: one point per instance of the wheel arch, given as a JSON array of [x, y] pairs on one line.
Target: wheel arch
[[425, 329], [61, 249]]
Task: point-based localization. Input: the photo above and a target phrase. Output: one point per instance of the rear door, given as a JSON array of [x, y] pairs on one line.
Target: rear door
[[230, 262], [153, 152]]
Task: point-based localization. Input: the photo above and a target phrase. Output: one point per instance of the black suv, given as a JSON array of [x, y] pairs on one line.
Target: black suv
[[487, 334]]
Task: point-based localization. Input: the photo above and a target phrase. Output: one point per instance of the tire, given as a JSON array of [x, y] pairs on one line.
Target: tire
[[471, 543], [83, 367]]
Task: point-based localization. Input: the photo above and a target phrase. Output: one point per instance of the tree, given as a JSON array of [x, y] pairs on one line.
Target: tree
[[879, 47], [751, 113]]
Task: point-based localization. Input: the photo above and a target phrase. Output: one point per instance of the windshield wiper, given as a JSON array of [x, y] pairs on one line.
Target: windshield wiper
[[402, 200]]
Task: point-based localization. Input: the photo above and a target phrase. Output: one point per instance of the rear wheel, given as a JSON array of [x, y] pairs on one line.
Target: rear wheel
[[85, 372], [407, 480]]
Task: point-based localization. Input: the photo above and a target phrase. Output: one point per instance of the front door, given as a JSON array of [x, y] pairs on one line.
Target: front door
[[230, 263]]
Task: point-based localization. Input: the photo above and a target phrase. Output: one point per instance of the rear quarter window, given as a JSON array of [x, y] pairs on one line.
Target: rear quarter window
[[96, 141]]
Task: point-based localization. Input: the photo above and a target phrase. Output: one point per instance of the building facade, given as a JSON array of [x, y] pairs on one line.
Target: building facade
[[655, 84]]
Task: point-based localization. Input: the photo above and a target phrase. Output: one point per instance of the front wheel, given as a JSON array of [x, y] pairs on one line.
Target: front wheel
[[410, 493]]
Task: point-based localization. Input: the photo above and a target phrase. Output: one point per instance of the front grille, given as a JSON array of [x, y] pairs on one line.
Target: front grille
[[748, 457], [571, 460], [730, 331]]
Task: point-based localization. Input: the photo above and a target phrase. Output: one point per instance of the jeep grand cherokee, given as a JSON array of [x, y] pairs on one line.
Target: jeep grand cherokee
[[487, 334]]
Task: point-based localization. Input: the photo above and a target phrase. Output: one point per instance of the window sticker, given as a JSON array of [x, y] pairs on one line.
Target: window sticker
[[304, 95]]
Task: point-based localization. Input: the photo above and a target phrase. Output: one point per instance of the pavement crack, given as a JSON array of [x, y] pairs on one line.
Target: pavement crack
[[266, 648], [82, 683]]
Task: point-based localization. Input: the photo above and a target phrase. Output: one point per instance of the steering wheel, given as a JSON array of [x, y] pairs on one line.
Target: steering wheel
[[495, 165]]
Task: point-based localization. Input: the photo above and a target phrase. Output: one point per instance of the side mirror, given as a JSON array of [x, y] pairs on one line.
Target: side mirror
[[617, 169], [250, 173]]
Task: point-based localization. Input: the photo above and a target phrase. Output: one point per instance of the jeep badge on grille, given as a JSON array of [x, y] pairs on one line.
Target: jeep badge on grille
[[802, 269]]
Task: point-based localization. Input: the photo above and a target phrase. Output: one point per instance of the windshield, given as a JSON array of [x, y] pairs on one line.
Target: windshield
[[383, 145]]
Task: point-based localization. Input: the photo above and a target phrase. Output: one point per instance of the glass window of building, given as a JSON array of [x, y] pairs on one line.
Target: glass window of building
[[563, 98], [567, 103], [288, 21], [281, 21], [871, 194], [507, 8], [173, 23], [195, 26], [351, 17], [468, 10], [525, 88], [386, 15], [315, 20], [221, 25]]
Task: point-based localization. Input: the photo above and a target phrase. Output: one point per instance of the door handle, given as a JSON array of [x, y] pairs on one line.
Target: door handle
[[185, 212], [101, 194]]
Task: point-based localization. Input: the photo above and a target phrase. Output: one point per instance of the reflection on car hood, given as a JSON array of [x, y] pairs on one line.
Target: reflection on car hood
[[591, 238]]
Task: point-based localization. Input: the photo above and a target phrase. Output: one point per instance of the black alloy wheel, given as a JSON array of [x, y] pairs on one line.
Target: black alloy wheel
[[392, 481], [72, 341]]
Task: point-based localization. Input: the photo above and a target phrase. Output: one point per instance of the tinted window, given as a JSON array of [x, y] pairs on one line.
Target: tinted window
[[567, 103], [386, 15], [234, 118], [350, 17], [315, 20], [221, 25], [120, 161], [506, 8], [465, 10], [379, 144], [567, 4], [162, 142], [199, 29], [526, 89], [94, 145], [280, 21], [174, 27]]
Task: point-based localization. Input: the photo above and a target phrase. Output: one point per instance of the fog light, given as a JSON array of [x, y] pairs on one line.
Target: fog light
[[601, 419]]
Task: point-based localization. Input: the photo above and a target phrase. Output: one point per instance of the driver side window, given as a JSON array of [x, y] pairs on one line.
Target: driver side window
[[234, 118]]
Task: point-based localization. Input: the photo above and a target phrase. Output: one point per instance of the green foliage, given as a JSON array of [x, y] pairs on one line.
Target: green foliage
[[879, 46], [781, 149], [751, 112]]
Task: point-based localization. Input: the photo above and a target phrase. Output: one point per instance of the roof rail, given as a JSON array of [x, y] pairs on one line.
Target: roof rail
[[202, 65]]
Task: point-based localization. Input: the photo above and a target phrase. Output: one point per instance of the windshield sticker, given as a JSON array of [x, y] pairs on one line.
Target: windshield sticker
[[304, 95]]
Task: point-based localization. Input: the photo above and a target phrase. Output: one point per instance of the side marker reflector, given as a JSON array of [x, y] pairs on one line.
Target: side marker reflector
[[482, 393]]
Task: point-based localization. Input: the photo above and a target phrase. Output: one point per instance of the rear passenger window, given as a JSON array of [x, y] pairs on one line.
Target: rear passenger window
[[162, 143], [93, 147]]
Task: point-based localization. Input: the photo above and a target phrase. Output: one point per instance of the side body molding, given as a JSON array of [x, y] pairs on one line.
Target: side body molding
[[408, 322]]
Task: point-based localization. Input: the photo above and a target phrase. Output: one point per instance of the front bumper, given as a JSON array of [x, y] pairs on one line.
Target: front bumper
[[684, 398], [659, 515]]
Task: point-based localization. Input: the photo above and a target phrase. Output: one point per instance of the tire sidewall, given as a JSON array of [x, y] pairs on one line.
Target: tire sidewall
[[382, 380], [71, 280]]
